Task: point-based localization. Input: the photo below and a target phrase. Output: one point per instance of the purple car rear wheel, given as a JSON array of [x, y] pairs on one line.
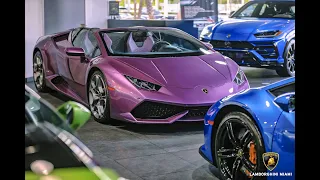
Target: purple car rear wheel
[[98, 97], [238, 147], [38, 73]]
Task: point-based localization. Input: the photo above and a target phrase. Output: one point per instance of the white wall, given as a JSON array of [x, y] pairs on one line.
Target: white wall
[[96, 13], [34, 28], [61, 15]]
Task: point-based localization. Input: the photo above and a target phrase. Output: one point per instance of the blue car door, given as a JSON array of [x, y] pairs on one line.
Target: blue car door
[[284, 142]]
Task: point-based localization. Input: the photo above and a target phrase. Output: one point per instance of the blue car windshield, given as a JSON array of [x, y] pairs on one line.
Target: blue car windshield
[[267, 9]]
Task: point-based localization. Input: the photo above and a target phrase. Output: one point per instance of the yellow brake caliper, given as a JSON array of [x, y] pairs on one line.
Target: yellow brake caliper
[[252, 157]]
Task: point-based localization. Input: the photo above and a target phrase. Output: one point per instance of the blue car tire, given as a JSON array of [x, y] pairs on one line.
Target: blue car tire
[[288, 68], [238, 147]]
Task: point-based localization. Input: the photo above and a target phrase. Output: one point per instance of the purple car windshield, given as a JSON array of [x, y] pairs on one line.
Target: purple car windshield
[[152, 43]]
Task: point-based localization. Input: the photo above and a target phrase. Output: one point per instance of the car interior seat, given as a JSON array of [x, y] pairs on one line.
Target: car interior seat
[[269, 12], [108, 42], [139, 41]]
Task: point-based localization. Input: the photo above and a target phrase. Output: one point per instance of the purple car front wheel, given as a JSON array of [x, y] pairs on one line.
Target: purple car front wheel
[[98, 97]]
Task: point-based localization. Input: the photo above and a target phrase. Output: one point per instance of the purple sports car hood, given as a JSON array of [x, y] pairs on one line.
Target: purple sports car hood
[[182, 72]]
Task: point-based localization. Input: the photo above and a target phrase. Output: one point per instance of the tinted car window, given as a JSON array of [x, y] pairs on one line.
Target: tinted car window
[[269, 9], [74, 33], [87, 41], [249, 10], [78, 41], [91, 45], [283, 89]]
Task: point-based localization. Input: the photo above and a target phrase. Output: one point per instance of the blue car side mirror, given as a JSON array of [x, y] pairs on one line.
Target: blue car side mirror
[[286, 101]]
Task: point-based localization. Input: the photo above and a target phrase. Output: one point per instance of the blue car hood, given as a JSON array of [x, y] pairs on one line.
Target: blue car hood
[[244, 29]]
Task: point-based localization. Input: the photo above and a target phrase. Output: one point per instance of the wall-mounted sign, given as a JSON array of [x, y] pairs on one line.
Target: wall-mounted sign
[[199, 9], [113, 8]]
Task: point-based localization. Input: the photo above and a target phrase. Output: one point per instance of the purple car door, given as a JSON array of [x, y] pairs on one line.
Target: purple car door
[[79, 65], [59, 54]]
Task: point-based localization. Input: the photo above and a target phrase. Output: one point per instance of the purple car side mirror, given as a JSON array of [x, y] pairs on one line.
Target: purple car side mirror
[[208, 45], [75, 51]]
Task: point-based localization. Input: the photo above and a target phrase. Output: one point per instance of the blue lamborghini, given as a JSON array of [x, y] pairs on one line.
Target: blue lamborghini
[[260, 34], [252, 133]]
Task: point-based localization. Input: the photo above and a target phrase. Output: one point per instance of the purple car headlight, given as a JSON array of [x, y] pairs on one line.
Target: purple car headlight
[[239, 78], [141, 84]]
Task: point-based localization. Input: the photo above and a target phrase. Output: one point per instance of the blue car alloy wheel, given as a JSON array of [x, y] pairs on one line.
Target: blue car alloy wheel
[[289, 68], [238, 147]]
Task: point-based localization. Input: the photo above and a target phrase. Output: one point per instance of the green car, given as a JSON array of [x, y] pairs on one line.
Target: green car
[[52, 150]]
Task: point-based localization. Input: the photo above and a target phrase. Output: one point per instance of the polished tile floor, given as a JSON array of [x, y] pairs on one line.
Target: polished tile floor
[[154, 152]]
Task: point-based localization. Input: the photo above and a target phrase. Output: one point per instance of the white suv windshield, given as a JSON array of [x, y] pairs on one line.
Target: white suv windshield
[[269, 9]]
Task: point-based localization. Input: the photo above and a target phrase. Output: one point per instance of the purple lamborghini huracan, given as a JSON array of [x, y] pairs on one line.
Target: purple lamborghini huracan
[[139, 74]]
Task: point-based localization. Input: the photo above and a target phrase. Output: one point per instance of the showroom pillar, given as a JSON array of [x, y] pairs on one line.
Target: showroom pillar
[[34, 28], [96, 12], [165, 9]]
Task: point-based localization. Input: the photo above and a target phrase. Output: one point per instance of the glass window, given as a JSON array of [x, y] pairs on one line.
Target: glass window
[[78, 40], [293, 9], [74, 33], [90, 45], [283, 89], [269, 9], [262, 9], [292, 102], [247, 12], [96, 53], [87, 41], [152, 42]]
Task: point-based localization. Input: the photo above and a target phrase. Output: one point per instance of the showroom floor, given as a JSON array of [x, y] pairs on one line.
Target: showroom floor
[[154, 152]]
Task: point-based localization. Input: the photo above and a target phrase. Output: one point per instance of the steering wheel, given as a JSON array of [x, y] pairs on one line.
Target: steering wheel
[[158, 45]]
